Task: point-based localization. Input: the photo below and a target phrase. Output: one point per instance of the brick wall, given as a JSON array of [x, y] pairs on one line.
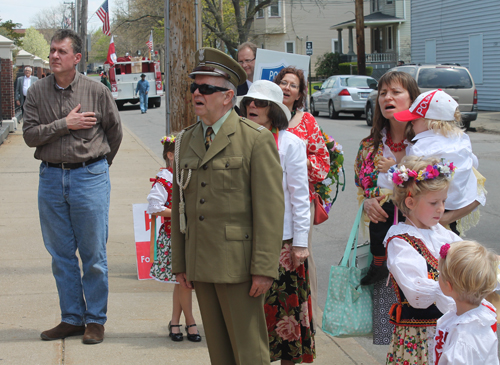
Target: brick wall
[[7, 86]]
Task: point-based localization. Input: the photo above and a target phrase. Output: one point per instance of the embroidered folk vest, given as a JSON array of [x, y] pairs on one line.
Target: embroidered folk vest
[[402, 313]]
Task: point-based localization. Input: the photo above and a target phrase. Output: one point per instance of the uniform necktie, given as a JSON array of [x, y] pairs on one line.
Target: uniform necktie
[[208, 135]]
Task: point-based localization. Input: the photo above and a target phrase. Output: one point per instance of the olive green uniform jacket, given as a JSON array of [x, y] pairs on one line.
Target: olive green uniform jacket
[[234, 204]]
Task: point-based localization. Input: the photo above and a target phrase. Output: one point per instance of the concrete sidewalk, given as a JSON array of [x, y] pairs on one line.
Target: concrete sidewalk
[[138, 311]]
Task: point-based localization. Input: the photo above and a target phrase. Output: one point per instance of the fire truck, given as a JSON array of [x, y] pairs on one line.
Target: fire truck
[[126, 73]]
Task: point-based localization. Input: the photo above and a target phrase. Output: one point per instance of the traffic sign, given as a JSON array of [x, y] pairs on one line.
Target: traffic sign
[[309, 48]]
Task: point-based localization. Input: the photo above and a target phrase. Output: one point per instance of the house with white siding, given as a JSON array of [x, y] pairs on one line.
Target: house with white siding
[[389, 33], [463, 32], [287, 25]]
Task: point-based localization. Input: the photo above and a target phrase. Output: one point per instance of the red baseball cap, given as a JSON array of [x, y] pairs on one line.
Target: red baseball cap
[[434, 104]]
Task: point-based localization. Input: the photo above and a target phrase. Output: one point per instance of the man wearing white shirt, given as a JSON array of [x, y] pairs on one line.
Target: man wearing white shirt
[[23, 83]]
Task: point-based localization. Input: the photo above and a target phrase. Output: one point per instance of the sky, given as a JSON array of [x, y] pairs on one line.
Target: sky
[[24, 11]]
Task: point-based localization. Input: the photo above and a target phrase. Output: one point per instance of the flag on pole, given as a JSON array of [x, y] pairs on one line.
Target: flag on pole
[[150, 42], [111, 59], [103, 14]]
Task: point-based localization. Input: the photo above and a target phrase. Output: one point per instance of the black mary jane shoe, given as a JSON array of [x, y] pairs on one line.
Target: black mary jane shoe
[[177, 337], [193, 338]]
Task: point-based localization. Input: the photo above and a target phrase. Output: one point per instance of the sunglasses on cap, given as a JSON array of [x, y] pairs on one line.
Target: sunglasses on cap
[[206, 89], [257, 102]]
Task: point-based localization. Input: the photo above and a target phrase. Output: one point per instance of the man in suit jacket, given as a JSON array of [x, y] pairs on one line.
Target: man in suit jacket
[[246, 58], [230, 243], [23, 83]]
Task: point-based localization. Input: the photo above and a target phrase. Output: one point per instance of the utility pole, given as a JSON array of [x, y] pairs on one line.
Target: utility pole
[[180, 43], [73, 15], [83, 34], [360, 37]]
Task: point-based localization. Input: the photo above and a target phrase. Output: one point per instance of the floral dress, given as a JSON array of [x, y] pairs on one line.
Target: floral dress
[[160, 198], [366, 178], [287, 308], [317, 153]]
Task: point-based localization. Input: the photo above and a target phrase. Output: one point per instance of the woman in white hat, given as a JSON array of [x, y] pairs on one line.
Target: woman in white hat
[[288, 302]]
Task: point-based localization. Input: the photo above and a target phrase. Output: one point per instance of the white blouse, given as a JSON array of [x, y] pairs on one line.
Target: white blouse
[[457, 149], [293, 158], [158, 196], [467, 339], [384, 181], [409, 268]]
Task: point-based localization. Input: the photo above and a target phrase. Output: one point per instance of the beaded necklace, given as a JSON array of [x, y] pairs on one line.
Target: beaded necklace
[[395, 147]]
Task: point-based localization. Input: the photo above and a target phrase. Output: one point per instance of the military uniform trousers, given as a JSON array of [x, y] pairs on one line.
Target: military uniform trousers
[[234, 323]]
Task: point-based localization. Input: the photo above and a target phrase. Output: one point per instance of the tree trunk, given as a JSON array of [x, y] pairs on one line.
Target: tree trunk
[[181, 46], [360, 37]]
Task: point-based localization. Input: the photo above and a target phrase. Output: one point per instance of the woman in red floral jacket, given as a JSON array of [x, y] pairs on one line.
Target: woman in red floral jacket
[[384, 147]]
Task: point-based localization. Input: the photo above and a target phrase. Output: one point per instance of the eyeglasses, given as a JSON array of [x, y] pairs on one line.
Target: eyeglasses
[[257, 102], [206, 89], [242, 62], [285, 84]]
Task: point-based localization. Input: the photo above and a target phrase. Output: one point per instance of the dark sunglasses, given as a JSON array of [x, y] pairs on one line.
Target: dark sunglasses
[[258, 102], [206, 89]]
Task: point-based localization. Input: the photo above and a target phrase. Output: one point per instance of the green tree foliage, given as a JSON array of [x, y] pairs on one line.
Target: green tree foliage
[[7, 30], [328, 64], [99, 47], [34, 42]]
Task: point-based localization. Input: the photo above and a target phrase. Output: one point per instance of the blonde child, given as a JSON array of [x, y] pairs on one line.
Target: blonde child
[[160, 201], [420, 189], [434, 131], [467, 334]]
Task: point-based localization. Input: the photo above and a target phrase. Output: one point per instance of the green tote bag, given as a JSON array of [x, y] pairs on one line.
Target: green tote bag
[[348, 308]]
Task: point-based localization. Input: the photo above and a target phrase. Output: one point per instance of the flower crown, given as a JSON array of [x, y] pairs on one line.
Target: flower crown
[[401, 174], [169, 139]]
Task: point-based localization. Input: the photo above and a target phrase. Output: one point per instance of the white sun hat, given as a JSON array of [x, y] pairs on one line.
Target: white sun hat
[[434, 104], [266, 90]]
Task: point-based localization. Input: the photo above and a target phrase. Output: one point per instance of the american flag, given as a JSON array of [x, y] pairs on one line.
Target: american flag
[[150, 42], [103, 14]]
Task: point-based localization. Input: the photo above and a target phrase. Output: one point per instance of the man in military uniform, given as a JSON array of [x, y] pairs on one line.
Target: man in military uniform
[[227, 244]]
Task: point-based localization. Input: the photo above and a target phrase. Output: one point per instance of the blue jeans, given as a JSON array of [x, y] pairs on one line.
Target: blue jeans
[[143, 98], [74, 206]]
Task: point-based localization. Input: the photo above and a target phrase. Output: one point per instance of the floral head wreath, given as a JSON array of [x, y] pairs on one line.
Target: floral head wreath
[[401, 174], [168, 139]]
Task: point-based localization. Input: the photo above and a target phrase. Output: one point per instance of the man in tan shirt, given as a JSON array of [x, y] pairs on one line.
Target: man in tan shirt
[[75, 127]]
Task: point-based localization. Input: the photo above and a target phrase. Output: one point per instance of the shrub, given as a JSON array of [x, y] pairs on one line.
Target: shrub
[[345, 68], [328, 64]]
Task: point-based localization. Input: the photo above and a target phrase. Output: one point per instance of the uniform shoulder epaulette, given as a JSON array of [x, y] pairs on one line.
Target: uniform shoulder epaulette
[[191, 126], [252, 124]]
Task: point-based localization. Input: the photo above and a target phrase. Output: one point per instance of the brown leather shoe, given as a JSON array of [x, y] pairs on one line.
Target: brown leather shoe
[[94, 334], [62, 330]]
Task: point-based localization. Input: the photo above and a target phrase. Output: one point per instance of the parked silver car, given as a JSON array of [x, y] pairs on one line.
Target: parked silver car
[[342, 93], [451, 78]]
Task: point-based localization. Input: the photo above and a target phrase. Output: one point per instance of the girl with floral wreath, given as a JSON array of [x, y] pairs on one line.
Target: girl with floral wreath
[[160, 204], [396, 92], [292, 82]]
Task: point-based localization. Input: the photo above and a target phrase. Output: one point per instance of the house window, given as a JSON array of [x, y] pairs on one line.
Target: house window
[[335, 46], [275, 9], [389, 2], [375, 6], [260, 13], [290, 47], [476, 57], [430, 51], [390, 39]]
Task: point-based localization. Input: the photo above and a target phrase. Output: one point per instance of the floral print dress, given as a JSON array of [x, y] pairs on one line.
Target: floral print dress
[[160, 197], [288, 308], [317, 153]]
